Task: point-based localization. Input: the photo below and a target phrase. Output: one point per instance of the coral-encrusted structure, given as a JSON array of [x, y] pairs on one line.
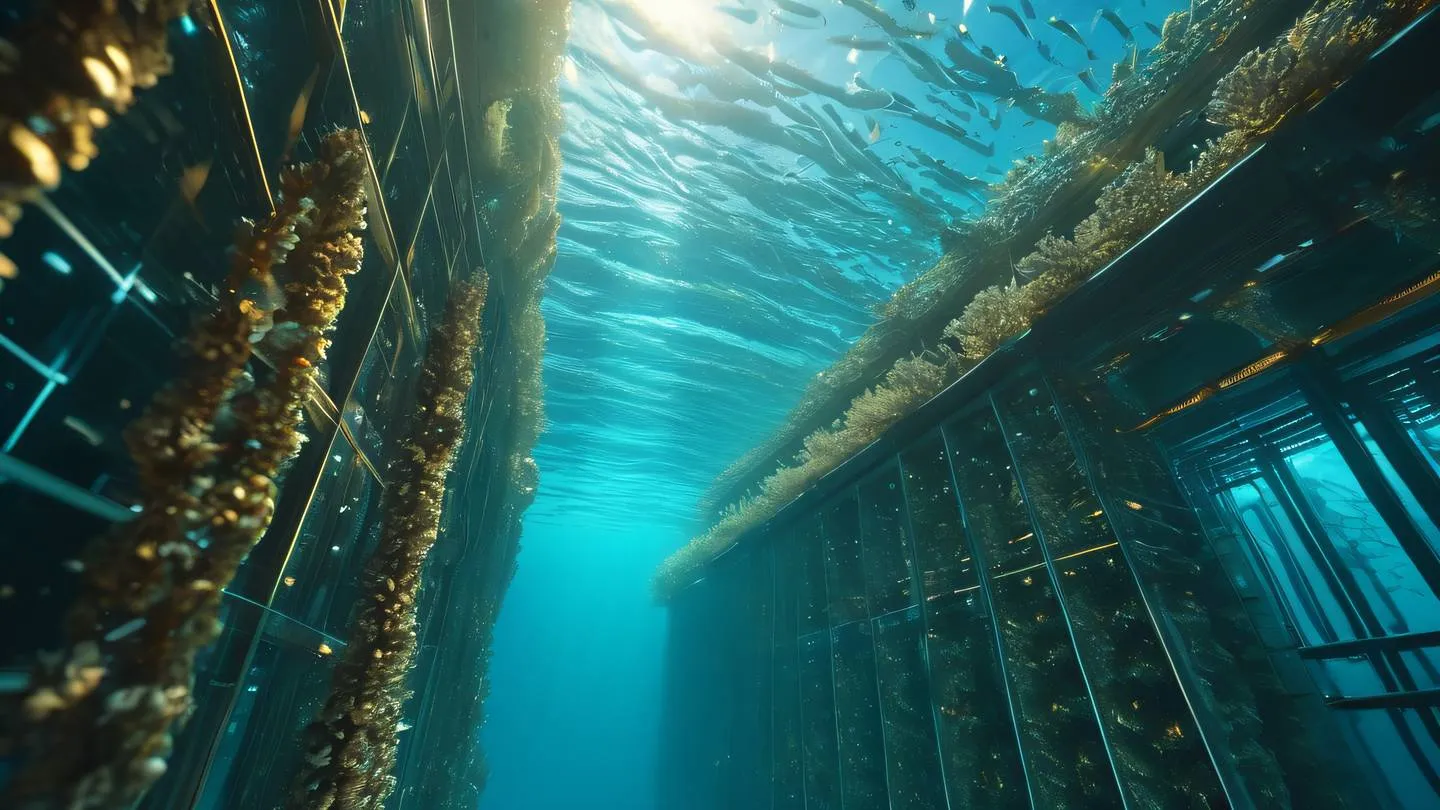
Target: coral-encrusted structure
[[95, 726], [350, 748], [1263, 89], [81, 61]]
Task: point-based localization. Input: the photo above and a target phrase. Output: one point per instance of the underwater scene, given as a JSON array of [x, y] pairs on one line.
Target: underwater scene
[[719, 404]]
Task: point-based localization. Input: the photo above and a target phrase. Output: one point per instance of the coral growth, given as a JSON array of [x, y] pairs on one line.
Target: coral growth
[[1085, 155], [1265, 86], [1316, 54], [906, 387], [67, 69], [350, 748], [1143, 196], [96, 721]]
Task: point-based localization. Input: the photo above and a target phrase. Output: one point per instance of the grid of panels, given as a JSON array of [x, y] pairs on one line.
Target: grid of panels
[[118, 260], [974, 624]]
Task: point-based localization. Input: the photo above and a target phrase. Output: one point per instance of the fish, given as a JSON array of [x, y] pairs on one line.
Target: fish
[[798, 9], [991, 169], [858, 44], [995, 122], [1118, 24], [884, 21], [965, 98], [1012, 15], [1154, 29], [984, 111], [745, 15], [1069, 30], [872, 128], [1028, 8], [1029, 122], [192, 180], [91, 436], [796, 23], [1047, 54], [963, 115], [1088, 79]]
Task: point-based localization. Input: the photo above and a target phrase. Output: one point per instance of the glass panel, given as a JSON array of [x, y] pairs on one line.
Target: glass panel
[[406, 178], [1068, 764], [283, 688], [820, 750], [886, 542], [1294, 573], [814, 609], [1413, 507], [275, 51], [844, 564], [911, 757], [1401, 753], [320, 583], [379, 62], [1387, 579], [1157, 747], [1264, 718], [428, 272], [789, 790], [977, 734], [857, 714]]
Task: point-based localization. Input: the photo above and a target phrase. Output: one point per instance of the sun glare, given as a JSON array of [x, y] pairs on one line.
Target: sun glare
[[691, 22]]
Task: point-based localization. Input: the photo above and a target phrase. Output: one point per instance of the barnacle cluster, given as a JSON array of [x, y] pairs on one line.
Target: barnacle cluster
[[95, 724], [65, 70], [350, 748], [1135, 195]]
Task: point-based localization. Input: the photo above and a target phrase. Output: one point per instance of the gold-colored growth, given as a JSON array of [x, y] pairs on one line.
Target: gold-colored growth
[[350, 748], [66, 70], [94, 726], [1265, 88]]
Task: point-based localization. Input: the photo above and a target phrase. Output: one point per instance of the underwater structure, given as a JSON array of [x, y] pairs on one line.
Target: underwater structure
[[262, 483], [1154, 527]]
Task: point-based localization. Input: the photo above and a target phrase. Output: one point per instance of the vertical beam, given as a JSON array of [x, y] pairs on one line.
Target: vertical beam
[[1230, 781], [982, 568], [1044, 544], [1323, 390], [917, 576]]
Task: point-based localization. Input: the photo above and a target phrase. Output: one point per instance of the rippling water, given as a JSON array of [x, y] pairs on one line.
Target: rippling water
[[709, 263], [738, 197]]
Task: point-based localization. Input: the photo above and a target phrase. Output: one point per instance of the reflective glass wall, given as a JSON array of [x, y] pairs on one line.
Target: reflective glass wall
[[117, 262]]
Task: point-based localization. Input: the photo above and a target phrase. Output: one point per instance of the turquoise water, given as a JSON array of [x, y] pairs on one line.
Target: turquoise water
[[727, 235]]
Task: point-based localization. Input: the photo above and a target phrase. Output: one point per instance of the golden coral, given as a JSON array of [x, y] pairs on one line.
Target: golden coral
[[67, 69], [912, 382], [1316, 54], [350, 748], [207, 455]]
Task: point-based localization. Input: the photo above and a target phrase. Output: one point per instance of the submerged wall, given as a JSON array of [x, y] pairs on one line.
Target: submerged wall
[[116, 263], [1175, 547]]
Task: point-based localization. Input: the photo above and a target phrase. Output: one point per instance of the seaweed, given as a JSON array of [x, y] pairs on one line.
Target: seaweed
[[82, 62], [350, 748], [95, 723]]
